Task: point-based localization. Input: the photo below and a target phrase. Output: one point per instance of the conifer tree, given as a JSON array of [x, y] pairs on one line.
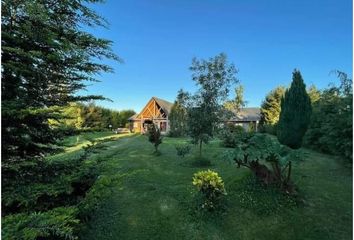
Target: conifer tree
[[270, 108], [295, 113], [47, 57]]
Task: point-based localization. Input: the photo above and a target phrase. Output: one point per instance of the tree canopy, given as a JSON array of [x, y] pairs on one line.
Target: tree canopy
[[214, 78], [178, 115], [238, 102], [47, 58], [331, 127], [270, 109]]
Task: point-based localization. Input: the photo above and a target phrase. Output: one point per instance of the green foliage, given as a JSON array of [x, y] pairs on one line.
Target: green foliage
[[214, 77], [178, 115], [331, 124], [295, 113], [56, 198], [59, 223], [154, 136], [211, 186], [231, 135], [314, 94], [260, 151], [78, 117], [47, 58], [183, 149], [236, 104], [270, 110]]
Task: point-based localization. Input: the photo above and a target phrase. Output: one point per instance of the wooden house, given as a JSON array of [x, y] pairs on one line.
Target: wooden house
[[155, 111]]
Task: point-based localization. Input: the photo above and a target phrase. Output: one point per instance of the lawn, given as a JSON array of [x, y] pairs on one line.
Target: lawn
[[151, 197]]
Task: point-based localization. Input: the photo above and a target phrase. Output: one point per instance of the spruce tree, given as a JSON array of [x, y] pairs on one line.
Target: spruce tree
[[295, 113]]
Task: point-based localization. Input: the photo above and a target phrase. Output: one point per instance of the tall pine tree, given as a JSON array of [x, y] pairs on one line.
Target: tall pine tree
[[295, 113]]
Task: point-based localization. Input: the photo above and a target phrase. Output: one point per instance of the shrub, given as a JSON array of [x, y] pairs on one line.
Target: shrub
[[211, 186], [270, 161], [182, 149], [59, 223], [232, 136], [154, 136]]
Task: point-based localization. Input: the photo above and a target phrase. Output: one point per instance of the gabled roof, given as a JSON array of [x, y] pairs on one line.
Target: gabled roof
[[165, 105], [247, 115]]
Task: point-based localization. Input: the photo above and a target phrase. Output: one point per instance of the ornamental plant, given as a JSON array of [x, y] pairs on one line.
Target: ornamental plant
[[211, 187]]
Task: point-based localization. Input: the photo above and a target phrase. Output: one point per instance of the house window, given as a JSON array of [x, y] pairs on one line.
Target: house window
[[163, 126]]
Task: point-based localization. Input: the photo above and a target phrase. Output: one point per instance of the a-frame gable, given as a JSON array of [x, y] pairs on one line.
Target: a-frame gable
[[152, 110]]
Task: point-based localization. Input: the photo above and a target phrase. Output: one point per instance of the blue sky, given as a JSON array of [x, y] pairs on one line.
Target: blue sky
[[265, 39]]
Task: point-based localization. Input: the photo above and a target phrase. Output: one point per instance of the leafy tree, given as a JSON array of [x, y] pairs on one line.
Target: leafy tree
[[154, 136], [270, 109], [116, 119], [236, 104], [178, 115], [331, 126], [92, 116], [214, 77], [124, 115], [295, 113], [314, 94]]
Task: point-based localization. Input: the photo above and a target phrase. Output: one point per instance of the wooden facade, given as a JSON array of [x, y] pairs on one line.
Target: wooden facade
[[155, 112]]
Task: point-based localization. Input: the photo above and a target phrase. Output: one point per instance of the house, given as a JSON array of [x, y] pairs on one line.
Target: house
[[155, 111], [248, 118]]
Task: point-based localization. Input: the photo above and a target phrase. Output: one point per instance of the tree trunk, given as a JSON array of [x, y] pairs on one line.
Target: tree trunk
[[289, 172], [200, 148]]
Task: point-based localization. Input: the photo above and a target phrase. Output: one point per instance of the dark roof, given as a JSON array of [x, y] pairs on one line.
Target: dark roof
[[247, 115], [165, 105]]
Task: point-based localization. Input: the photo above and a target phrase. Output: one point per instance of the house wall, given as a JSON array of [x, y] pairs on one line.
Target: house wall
[[136, 126]]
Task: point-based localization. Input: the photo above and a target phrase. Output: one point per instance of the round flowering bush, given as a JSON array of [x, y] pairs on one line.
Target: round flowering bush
[[211, 186]]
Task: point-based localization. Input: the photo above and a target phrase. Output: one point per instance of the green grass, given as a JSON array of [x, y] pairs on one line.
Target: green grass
[[151, 197], [73, 145]]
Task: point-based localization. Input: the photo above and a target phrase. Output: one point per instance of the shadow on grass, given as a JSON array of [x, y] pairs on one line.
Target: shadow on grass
[[197, 162]]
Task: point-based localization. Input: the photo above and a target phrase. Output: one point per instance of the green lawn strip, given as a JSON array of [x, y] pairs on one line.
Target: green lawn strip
[[152, 197]]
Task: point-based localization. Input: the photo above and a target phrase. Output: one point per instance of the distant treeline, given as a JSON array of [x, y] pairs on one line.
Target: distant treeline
[[81, 116]]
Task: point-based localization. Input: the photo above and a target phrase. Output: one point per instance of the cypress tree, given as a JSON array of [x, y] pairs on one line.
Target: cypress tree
[[295, 113]]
